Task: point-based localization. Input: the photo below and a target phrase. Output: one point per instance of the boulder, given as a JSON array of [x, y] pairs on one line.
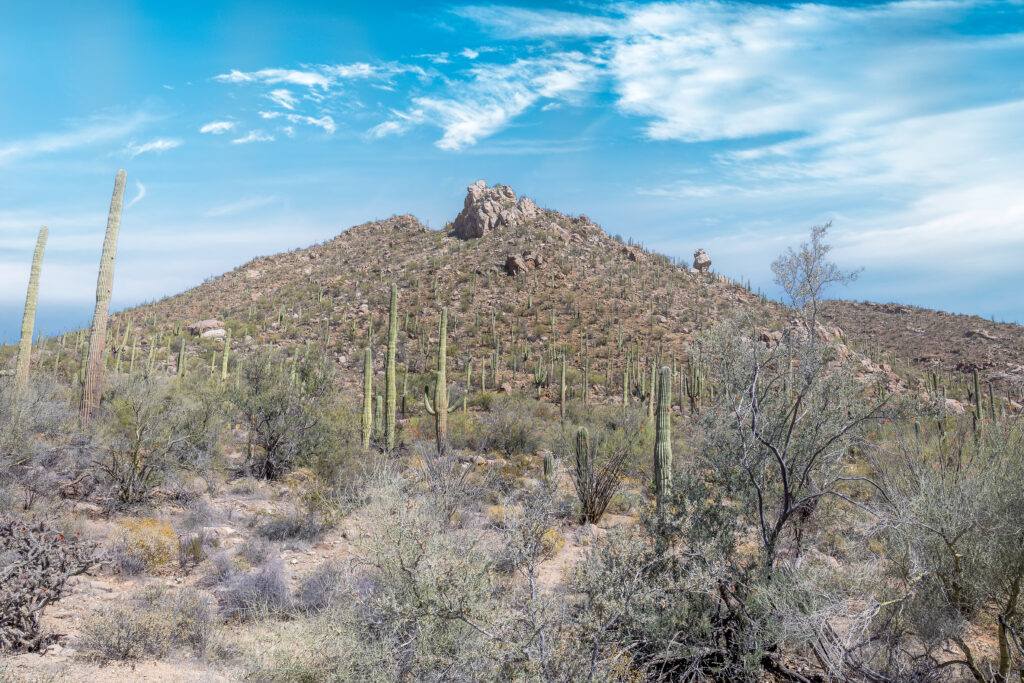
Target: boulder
[[514, 264], [701, 261], [197, 329], [633, 253], [219, 333], [490, 208]]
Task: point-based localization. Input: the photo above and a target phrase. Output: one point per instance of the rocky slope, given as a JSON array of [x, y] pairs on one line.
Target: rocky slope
[[520, 281]]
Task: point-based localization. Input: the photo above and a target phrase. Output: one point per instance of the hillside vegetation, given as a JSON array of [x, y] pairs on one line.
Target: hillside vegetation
[[514, 449]]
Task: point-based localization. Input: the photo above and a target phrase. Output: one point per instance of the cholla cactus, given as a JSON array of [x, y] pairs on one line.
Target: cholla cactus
[[38, 561], [29, 319]]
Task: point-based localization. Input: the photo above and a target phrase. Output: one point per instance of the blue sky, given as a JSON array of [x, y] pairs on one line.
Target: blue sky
[[248, 128]]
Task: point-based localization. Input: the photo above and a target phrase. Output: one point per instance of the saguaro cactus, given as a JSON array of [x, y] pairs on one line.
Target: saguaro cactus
[[367, 424], [439, 406], [663, 438], [390, 389], [561, 392], [28, 321], [224, 360], [93, 385]]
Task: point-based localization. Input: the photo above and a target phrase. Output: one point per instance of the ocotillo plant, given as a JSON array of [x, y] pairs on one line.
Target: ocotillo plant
[[367, 424], [93, 385], [663, 438], [28, 321], [439, 406], [389, 372]]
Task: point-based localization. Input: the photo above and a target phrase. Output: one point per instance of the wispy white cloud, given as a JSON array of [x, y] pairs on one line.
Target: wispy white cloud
[[253, 136], [470, 53], [283, 98], [98, 131], [491, 96], [158, 145], [140, 193], [239, 206], [325, 121], [308, 78], [218, 127]]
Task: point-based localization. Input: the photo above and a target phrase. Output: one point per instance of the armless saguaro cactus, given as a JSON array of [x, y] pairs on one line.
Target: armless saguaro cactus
[[367, 425], [663, 438], [28, 321], [438, 407], [390, 387], [93, 385]]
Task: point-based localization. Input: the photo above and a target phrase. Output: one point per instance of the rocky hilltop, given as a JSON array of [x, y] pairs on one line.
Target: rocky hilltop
[[517, 278]]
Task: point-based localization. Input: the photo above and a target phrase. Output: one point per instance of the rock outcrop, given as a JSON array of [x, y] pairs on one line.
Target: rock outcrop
[[701, 261], [203, 326], [490, 208], [515, 264]]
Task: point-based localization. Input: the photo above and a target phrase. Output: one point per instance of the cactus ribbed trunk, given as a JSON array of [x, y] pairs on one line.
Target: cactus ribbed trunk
[[92, 388], [663, 438], [439, 406], [28, 321], [561, 392], [390, 387], [367, 423], [227, 352]]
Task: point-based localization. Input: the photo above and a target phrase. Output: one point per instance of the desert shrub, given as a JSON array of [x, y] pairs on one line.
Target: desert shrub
[[466, 431], [123, 632], [951, 541], [192, 549], [149, 625], [35, 563], [258, 593], [512, 426], [288, 526], [221, 568], [287, 420], [446, 478], [255, 551], [321, 589], [149, 428], [147, 541]]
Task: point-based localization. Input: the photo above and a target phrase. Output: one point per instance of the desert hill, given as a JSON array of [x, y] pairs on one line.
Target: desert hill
[[524, 284]]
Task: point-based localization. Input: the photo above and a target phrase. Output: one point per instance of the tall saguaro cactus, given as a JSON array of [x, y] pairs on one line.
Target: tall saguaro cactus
[[390, 388], [367, 425], [663, 438], [438, 407], [28, 321], [93, 385]]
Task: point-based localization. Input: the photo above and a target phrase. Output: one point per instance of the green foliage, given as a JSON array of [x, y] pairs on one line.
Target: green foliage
[[289, 422]]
